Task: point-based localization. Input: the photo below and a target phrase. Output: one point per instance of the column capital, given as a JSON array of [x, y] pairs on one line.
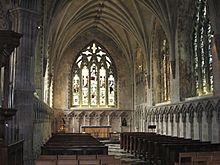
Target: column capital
[[23, 13]]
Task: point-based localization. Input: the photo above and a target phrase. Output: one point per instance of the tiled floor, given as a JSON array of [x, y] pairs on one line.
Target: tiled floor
[[126, 158]]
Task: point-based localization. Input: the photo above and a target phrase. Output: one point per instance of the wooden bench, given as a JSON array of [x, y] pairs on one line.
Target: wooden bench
[[67, 162], [73, 144], [45, 162], [167, 149], [89, 162]]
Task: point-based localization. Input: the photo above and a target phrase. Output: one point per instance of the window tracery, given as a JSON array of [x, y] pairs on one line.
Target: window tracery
[[93, 79], [203, 76]]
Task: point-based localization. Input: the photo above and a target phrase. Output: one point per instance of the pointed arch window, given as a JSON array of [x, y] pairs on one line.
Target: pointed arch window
[[93, 78], [160, 65], [165, 70], [203, 75]]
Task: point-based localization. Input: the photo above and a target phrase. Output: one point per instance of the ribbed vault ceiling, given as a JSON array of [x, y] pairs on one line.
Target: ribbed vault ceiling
[[126, 22]]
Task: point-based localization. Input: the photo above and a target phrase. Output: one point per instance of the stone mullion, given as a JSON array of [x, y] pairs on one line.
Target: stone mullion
[[98, 86]]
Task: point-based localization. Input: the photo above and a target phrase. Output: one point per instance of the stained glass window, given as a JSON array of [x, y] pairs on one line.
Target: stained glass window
[[165, 71], [93, 78], [203, 76]]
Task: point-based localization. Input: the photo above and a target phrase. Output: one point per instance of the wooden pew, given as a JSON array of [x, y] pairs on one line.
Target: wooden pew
[[45, 162], [66, 157], [73, 144], [171, 151], [213, 162], [89, 162], [194, 158], [67, 162], [87, 157]]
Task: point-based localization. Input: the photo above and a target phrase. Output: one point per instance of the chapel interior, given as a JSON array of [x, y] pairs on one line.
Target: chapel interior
[[130, 72]]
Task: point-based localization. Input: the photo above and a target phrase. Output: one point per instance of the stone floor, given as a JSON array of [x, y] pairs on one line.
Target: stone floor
[[126, 158]]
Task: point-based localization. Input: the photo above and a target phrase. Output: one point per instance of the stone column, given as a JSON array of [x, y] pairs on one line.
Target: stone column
[[175, 81], [191, 125], [209, 118], [216, 64], [25, 22], [215, 127], [204, 127], [175, 125], [170, 125], [84, 119], [166, 116], [161, 124], [187, 127], [157, 124], [109, 120], [77, 124], [196, 120], [178, 124], [181, 126]]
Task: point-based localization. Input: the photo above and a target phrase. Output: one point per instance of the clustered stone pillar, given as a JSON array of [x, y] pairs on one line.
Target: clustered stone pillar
[[25, 22]]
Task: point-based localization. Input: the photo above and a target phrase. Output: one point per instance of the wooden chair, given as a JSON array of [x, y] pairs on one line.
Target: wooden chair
[[67, 162], [45, 162], [89, 162]]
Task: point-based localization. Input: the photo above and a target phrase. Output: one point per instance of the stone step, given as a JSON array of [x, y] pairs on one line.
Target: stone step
[[126, 158]]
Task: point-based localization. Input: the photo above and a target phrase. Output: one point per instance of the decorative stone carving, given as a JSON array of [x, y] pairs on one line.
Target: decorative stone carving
[[4, 18]]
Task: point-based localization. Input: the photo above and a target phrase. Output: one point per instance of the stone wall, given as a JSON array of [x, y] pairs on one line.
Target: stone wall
[[77, 118], [196, 119], [42, 126]]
